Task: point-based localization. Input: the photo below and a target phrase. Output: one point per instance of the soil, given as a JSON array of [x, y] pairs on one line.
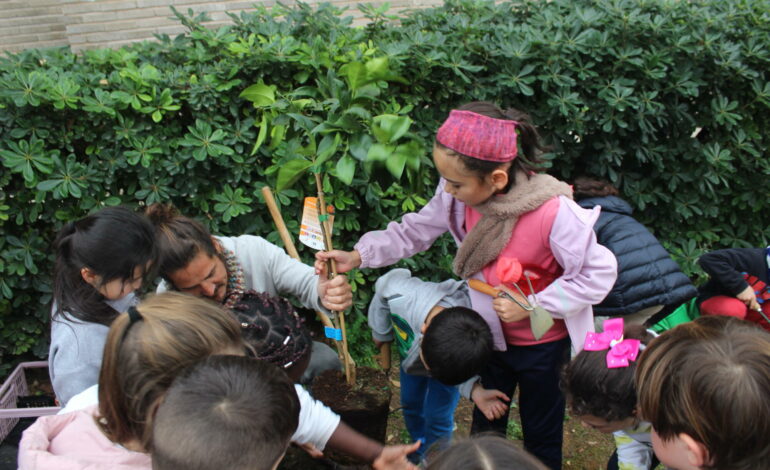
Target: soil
[[364, 406]]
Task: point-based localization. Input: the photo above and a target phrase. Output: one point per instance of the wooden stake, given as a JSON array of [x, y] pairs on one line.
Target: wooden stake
[[350, 372], [291, 249]]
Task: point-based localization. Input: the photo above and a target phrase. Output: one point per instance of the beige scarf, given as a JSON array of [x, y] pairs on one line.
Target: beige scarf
[[491, 234]]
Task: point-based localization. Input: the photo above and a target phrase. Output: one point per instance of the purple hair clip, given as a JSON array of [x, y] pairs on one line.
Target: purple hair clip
[[621, 351]]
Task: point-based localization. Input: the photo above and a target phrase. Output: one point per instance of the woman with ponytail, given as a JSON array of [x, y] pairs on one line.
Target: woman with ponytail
[[101, 260]]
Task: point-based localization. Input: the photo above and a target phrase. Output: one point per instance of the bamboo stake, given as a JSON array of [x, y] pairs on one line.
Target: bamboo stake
[[350, 372], [283, 231]]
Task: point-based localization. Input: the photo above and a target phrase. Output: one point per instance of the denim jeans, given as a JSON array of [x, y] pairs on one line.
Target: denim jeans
[[428, 407]]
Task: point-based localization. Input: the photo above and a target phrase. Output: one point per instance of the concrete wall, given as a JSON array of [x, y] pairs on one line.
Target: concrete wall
[[87, 24]]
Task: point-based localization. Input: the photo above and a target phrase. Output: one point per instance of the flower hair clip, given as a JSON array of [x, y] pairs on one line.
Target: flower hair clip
[[621, 351]]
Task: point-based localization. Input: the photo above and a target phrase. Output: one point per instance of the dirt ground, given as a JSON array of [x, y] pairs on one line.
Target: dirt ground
[[584, 448]]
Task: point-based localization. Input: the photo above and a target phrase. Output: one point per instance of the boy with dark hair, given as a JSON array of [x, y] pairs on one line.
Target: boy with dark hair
[[442, 344], [227, 412], [704, 387]]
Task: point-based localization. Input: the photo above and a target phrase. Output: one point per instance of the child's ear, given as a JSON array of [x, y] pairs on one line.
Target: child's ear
[[89, 276], [499, 178], [697, 454]]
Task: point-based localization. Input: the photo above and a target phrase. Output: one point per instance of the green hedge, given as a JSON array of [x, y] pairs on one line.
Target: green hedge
[[668, 99]]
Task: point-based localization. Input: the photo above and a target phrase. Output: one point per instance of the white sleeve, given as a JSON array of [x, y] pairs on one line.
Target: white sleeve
[[317, 422], [84, 399]]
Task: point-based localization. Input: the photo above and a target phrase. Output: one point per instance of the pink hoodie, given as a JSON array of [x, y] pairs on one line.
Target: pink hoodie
[[73, 441]]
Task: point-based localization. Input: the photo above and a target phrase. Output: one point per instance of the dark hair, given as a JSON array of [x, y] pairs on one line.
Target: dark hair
[[528, 158], [179, 238], [483, 452], [112, 243], [228, 412], [456, 345], [709, 379], [585, 186], [274, 330], [592, 389]]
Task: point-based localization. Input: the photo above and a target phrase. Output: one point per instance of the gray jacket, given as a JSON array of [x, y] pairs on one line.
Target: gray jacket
[[399, 308], [75, 355]]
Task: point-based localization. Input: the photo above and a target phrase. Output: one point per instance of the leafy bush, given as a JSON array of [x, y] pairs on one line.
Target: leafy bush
[[667, 99]]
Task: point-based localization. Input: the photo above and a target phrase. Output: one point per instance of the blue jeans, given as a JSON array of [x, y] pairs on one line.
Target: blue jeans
[[428, 407]]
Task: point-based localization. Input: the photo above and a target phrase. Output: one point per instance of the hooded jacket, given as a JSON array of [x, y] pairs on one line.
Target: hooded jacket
[[647, 276]]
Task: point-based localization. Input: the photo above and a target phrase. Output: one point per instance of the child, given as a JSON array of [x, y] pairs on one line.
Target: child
[[649, 281], [273, 331], [101, 260], [442, 343], [502, 213], [225, 412], [145, 350], [604, 397], [738, 284], [704, 387], [483, 452]]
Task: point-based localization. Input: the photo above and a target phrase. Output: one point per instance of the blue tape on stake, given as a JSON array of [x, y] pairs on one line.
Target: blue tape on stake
[[333, 333]]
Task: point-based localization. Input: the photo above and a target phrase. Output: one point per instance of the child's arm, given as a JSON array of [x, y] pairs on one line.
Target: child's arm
[[589, 269], [415, 233], [319, 427], [350, 442], [725, 267]]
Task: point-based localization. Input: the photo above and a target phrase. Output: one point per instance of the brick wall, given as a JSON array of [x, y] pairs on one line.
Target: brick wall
[[85, 24]]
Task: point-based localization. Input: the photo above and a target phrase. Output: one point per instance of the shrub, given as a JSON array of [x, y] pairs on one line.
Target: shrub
[[667, 99]]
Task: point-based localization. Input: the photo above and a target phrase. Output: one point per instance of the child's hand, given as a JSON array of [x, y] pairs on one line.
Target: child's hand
[[490, 402], [508, 310], [336, 294], [346, 260], [394, 457], [748, 297], [311, 450]]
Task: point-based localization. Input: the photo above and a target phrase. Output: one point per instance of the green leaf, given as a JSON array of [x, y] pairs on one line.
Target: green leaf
[[326, 148], [396, 163], [359, 145], [259, 94], [388, 128], [346, 169], [262, 134], [379, 152], [290, 172], [355, 72]]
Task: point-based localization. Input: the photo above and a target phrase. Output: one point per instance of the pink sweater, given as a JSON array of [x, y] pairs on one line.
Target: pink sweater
[[73, 441], [588, 273]]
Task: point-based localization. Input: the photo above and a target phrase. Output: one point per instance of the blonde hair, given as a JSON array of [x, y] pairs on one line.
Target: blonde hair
[[143, 356]]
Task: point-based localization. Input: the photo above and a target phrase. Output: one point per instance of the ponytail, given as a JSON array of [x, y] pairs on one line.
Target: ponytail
[[112, 243]]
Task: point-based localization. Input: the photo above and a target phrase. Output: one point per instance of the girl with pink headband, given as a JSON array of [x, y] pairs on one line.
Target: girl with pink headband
[[516, 229]]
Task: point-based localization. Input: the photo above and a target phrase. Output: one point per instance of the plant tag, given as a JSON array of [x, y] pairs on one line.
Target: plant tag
[[333, 333], [540, 321], [310, 230]]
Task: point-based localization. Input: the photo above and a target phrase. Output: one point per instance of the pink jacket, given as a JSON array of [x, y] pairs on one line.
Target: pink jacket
[[589, 269], [72, 441]]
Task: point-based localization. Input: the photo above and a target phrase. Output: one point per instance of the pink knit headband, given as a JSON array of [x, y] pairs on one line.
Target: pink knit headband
[[479, 136]]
